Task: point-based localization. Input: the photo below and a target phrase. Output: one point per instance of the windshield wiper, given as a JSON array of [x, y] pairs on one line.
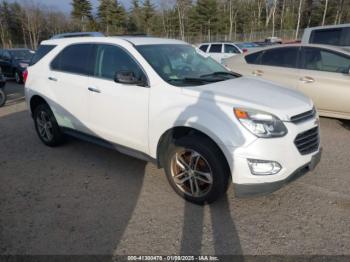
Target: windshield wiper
[[220, 73], [190, 80]]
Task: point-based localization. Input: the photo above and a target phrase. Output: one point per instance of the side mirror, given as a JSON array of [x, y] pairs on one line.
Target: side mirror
[[128, 78]]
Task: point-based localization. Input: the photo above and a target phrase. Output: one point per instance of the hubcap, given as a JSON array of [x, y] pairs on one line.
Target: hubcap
[[44, 126], [191, 173]]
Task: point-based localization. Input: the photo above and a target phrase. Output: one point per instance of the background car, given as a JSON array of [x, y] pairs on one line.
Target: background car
[[14, 62], [321, 72], [220, 50], [273, 40], [247, 46], [336, 35]]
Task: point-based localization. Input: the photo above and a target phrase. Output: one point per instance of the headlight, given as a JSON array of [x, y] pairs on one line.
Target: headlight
[[260, 123]]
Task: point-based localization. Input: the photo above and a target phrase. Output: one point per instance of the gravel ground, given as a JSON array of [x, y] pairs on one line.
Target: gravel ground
[[84, 199]]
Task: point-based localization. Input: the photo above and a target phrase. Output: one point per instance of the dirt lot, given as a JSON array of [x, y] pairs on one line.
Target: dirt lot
[[84, 199]]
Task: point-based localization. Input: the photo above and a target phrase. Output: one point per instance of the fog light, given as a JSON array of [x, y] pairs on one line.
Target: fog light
[[263, 167]]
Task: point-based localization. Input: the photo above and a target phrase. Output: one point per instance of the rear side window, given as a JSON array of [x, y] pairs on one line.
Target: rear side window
[[204, 48], [253, 58], [334, 36], [325, 60], [75, 59], [231, 49], [215, 48], [42, 51], [282, 57]]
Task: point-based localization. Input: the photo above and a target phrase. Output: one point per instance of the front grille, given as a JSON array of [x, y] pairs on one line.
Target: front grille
[[303, 116], [308, 141]]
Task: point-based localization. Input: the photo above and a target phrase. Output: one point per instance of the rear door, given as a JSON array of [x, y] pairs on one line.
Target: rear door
[[325, 78], [279, 65], [68, 83]]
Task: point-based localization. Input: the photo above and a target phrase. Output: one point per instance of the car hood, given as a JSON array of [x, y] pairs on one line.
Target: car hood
[[249, 92]]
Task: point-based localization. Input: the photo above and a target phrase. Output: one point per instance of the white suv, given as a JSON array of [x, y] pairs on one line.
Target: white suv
[[220, 50], [160, 100]]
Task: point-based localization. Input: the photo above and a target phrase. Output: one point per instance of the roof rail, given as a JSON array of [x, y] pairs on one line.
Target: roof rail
[[131, 35], [77, 34]]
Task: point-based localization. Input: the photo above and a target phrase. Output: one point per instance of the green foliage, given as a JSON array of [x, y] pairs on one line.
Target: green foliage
[[112, 17]]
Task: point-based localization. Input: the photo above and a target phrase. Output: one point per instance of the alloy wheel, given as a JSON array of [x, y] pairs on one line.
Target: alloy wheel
[[191, 173], [45, 127]]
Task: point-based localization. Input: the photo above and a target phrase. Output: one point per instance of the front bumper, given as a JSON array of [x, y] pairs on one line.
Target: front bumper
[[282, 150], [244, 190]]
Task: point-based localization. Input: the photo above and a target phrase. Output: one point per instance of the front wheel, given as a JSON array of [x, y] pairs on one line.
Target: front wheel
[[2, 97], [197, 170], [46, 126]]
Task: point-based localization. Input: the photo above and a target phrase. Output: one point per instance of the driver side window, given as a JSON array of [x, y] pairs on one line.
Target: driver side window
[[111, 59]]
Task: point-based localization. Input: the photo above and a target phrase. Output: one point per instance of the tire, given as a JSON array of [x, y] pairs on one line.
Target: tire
[[3, 97], [206, 158], [46, 126], [18, 77]]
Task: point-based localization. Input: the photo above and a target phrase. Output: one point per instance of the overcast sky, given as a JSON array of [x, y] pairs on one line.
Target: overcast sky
[[65, 6]]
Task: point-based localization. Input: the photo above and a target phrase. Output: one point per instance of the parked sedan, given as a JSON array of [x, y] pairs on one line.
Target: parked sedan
[[321, 72], [14, 62], [220, 50]]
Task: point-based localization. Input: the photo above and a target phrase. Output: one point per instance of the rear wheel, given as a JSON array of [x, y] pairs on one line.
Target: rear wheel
[[46, 126], [2, 97], [196, 169]]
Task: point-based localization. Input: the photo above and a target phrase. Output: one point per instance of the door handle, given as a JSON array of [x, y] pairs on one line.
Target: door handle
[[52, 78], [92, 89], [258, 73], [306, 80]]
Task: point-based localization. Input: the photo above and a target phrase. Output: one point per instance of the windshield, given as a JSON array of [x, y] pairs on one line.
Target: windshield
[[21, 54], [182, 65]]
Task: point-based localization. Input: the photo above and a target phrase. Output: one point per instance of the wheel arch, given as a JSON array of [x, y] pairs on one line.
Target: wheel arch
[[35, 101], [180, 131]]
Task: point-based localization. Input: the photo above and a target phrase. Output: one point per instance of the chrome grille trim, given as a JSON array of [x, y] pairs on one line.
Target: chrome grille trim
[[303, 116]]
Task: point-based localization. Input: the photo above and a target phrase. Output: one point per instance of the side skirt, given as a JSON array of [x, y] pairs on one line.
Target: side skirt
[[107, 144]]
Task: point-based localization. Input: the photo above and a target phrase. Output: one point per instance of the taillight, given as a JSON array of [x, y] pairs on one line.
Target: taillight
[[245, 50], [25, 75]]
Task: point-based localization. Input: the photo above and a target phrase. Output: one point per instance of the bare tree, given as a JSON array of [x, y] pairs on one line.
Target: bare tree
[[299, 18], [282, 15], [339, 13], [181, 8], [232, 17], [33, 23], [325, 12], [270, 7]]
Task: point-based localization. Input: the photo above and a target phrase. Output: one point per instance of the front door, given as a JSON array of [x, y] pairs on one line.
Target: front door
[[118, 112]]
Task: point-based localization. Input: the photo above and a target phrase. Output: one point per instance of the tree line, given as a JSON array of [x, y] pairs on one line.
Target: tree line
[[26, 24]]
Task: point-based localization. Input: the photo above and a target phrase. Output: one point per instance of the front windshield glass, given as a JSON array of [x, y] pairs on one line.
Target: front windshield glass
[[183, 65], [21, 54]]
